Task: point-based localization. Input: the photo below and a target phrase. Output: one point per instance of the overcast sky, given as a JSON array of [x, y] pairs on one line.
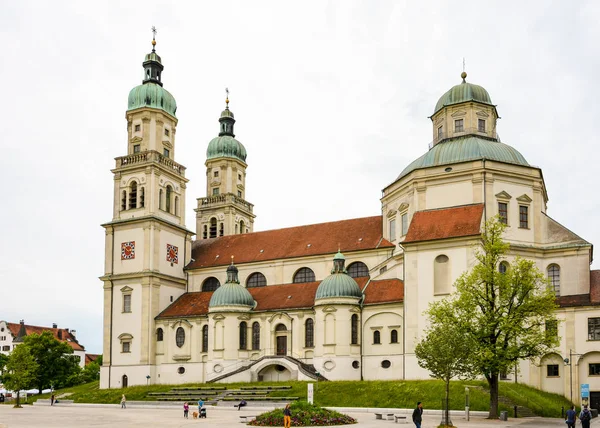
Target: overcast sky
[[331, 101]]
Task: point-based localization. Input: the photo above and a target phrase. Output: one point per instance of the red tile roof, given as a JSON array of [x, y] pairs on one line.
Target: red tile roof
[[285, 297], [90, 358], [301, 241], [595, 286], [65, 334], [445, 223]]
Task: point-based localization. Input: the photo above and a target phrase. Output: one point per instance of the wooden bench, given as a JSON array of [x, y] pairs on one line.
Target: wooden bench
[[389, 416], [399, 419], [247, 418]]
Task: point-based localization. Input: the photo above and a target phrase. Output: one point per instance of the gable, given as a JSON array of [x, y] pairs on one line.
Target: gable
[[445, 223]]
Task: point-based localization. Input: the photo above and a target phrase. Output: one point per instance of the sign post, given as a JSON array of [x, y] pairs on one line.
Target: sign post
[[310, 394], [585, 393]]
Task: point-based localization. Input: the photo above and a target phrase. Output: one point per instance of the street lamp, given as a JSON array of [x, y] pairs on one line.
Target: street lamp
[[147, 380], [569, 362]]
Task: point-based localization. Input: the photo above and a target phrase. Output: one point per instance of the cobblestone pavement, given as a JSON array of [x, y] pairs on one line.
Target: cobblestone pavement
[[83, 416]]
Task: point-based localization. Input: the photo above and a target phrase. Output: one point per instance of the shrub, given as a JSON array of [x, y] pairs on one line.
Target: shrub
[[304, 414]]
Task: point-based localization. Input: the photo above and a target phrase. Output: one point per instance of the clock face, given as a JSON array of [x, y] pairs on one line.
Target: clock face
[[128, 250], [172, 254]]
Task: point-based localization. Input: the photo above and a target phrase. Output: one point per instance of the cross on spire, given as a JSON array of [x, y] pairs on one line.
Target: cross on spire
[[227, 97], [153, 37]]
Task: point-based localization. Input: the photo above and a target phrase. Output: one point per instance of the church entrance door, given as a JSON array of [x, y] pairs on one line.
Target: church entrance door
[[281, 345], [124, 381]]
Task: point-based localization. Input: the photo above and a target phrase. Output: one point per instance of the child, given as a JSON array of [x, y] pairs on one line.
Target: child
[[287, 416], [186, 409]]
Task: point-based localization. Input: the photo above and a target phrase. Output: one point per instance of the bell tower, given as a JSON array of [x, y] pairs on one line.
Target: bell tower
[[146, 243], [224, 210]]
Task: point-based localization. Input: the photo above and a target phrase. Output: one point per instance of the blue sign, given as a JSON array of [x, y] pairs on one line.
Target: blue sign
[[585, 390]]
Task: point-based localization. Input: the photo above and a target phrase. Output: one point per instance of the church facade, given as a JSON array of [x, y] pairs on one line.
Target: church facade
[[341, 300]]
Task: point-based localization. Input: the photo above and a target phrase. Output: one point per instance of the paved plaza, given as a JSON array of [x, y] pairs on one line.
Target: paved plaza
[[82, 416]]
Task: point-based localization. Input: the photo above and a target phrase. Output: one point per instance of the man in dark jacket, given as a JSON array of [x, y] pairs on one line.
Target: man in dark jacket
[[418, 415]]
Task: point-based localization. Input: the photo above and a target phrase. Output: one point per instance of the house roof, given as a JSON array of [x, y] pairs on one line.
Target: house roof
[[301, 241], [445, 223], [62, 334], [90, 358], [285, 297]]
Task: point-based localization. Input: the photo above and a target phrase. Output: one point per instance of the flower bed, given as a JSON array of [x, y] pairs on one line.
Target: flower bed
[[303, 414]]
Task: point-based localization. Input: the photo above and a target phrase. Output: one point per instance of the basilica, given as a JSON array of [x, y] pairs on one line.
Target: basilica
[[337, 301]]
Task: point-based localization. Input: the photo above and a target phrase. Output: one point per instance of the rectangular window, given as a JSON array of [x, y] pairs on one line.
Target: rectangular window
[[552, 370], [166, 132], [6, 348], [137, 128], [393, 230], [593, 328], [166, 153], [216, 173], [404, 219], [481, 125], [503, 212], [440, 132], [127, 303], [383, 269], [136, 148], [459, 125], [215, 191], [240, 177], [594, 369], [240, 193], [523, 217], [126, 347]]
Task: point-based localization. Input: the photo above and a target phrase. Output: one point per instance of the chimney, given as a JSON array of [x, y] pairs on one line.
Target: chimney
[[54, 325], [73, 332]]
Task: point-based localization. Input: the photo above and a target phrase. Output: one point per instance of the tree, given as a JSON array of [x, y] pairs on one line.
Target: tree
[[57, 364], [20, 371], [445, 352], [90, 372], [502, 315]]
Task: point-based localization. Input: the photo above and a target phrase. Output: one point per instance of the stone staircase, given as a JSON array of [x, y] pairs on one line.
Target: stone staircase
[[215, 396]]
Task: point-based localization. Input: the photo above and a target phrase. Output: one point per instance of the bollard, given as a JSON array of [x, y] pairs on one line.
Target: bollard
[[562, 412], [515, 407]]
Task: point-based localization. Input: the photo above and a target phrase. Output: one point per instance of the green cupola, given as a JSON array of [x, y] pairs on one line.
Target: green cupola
[[463, 92], [339, 283], [231, 293], [225, 145], [151, 92]]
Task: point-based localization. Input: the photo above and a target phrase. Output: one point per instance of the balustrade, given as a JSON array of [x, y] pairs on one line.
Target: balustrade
[[150, 156]]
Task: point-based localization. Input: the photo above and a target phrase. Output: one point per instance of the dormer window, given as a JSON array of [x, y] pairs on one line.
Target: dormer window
[[459, 125], [481, 125]]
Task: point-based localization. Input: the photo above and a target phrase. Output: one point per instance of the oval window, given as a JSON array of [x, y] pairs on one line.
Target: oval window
[[355, 364], [386, 364], [180, 337], [181, 370]]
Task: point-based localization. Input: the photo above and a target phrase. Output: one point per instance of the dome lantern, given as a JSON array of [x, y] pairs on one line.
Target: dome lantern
[[339, 284], [225, 145]]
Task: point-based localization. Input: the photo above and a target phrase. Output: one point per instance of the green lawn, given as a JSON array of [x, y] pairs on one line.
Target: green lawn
[[403, 394]]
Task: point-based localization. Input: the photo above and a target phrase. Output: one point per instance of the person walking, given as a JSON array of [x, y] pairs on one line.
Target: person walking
[[571, 417], [52, 400], [417, 415], [585, 416], [123, 401], [287, 416], [186, 409], [200, 404]]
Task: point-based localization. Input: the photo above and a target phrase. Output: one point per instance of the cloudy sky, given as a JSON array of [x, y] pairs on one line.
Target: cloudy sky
[[331, 100]]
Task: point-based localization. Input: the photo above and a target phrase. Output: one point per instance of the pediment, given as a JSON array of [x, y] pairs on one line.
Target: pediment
[[503, 195], [482, 113], [219, 317], [403, 207], [179, 323], [391, 213], [240, 186], [126, 289], [329, 309], [439, 120], [279, 316], [215, 182], [167, 144], [459, 113], [244, 317], [125, 336], [136, 139], [524, 198], [354, 310]]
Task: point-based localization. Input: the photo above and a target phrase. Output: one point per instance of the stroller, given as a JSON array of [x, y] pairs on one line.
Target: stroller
[[202, 412]]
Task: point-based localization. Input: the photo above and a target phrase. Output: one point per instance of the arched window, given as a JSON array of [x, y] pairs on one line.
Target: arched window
[[133, 195], [236, 228], [160, 199], [205, 232], [304, 275], [394, 336], [554, 277], [124, 381], [354, 329], [159, 334], [168, 199], [280, 327], [176, 205], [255, 336], [180, 337], [210, 284], [503, 267], [242, 226], [309, 333], [221, 229], [243, 335], [358, 269], [213, 228], [256, 279], [124, 201], [205, 338], [441, 275], [376, 337], [142, 197]]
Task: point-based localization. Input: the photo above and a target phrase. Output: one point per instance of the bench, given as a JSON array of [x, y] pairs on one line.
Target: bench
[[400, 419], [389, 416], [246, 418]]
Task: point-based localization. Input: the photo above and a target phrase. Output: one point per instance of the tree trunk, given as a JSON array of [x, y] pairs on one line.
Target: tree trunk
[[447, 411], [18, 399], [493, 383]]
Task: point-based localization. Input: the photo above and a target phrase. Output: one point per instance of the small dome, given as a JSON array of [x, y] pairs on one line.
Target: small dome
[[151, 95], [462, 93], [226, 146], [467, 148], [339, 283], [227, 113], [153, 56], [231, 293]]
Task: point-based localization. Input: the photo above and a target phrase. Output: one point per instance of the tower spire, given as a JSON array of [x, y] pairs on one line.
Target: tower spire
[[152, 63], [227, 121], [153, 38]]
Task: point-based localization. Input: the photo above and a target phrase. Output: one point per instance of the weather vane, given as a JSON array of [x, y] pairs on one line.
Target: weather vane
[[463, 63], [227, 99], [153, 37]]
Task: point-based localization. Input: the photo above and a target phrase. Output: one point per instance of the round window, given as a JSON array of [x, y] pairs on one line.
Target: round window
[[448, 169], [355, 364], [181, 370], [386, 364], [180, 337]]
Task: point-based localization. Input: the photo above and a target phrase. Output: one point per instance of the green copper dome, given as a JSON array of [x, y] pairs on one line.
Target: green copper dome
[[151, 95], [339, 283], [467, 148], [231, 293], [226, 146], [462, 93]]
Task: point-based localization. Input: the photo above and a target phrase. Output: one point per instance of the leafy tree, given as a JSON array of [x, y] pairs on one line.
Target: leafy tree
[[20, 371], [502, 315], [58, 366], [90, 372], [3, 361], [445, 352]]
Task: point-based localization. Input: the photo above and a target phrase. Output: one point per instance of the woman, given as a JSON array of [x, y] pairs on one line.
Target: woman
[[287, 416]]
